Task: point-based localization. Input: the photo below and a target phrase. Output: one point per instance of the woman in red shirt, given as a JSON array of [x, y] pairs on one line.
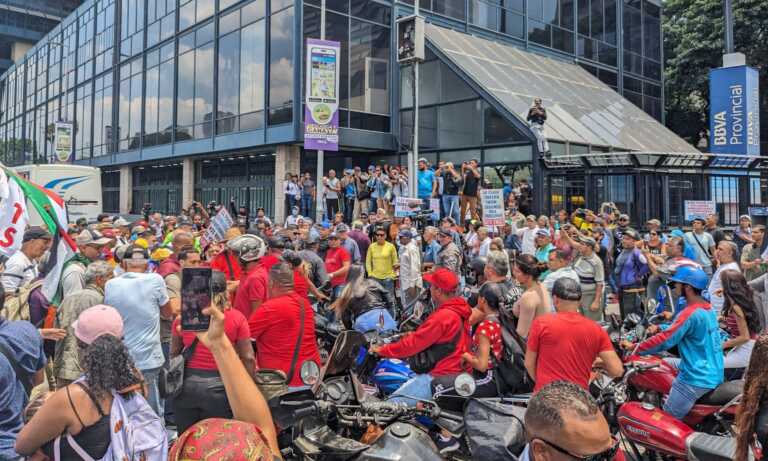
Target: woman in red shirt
[[203, 395]]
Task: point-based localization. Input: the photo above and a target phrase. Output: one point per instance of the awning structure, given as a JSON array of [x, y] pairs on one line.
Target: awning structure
[[656, 160], [580, 108]]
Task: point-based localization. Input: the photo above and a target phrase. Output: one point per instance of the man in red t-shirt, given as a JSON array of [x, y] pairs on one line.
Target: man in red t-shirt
[[226, 260], [566, 345], [252, 290], [337, 262], [275, 326]]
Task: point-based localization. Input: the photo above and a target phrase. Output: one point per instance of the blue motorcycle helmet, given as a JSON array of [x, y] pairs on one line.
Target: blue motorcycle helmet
[[690, 275], [390, 374]]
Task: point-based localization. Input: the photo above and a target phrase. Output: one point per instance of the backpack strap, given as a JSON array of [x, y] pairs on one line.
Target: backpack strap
[[296, 349], [21, 375], [76, 448]]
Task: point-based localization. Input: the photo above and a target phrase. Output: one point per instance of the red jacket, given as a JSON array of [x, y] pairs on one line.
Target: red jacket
[[442, 326]]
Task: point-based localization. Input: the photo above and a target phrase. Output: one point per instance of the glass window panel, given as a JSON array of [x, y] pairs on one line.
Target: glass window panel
[[497, 129], [511, 154], [337, 28], [253, 11], [252, 68], [562, 39], [277, 5], [229, 22], [204, 84], [583, 17], [371, 11], [451, 8], [609, 9], [536, 9], [229, 78], [484, 15], [281, 66], [205, 9], [512, 24], [429, 82], [551, 13], [651, 38], [369, 68], [566, 14], [460, 124], [452, 87], [185, 103], [539, 33], [165, 103], [596, 19], [457, 157]]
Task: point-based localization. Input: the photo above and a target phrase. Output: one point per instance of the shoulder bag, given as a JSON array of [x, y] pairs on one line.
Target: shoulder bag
[[272, 382], [170, 380]]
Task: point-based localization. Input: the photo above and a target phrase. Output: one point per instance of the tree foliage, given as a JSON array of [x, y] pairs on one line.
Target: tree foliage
[[694, 42]]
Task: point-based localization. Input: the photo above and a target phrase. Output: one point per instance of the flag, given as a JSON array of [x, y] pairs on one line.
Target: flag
[[13, 216], [53, 212]]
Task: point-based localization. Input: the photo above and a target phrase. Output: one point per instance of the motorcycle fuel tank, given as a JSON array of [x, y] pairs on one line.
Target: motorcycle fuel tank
[[653, 429], [402, 441], [657, 379]]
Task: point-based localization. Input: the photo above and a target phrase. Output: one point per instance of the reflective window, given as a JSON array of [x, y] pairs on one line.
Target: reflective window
[[158, 102], [129, 127], [497, 129], [103, 138], [69, 47], [131, 28], [281, 67], [194, 106], [87, 23], [194, 11], [105, 35], [369, 68], [460, 124], [241, 63], [161, 18], [83, 122], [54, 66]]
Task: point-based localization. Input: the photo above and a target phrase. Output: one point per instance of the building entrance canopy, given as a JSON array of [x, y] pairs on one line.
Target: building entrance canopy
[[580, 108]]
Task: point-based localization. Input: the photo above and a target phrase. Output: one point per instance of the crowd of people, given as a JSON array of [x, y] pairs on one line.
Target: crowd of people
[[108, 339]]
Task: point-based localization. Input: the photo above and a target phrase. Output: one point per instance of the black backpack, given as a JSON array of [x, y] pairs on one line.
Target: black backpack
[[512, 377]]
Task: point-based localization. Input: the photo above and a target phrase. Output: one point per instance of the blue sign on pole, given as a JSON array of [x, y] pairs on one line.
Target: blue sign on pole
[[734, 111]]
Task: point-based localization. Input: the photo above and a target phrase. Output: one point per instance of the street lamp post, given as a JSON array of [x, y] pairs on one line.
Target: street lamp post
[[728, 27], [320, 152]]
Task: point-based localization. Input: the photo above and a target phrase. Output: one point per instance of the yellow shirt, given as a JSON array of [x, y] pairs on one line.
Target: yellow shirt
[[380, 260]]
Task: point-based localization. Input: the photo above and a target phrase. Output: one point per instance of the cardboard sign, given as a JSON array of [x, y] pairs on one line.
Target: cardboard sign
[[492, 201], [699, 209], [218, 227]]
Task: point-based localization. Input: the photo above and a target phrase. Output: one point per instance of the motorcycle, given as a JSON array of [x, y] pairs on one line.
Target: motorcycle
[[644, 425]]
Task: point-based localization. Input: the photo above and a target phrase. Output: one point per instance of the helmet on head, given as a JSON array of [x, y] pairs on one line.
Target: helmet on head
[[247, 247], [478, 264], [690, 275]]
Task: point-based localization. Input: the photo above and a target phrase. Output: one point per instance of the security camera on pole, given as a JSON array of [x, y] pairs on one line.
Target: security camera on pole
[[410, 49]]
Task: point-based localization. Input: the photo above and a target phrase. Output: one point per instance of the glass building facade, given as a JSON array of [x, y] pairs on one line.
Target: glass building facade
[[150, 83]]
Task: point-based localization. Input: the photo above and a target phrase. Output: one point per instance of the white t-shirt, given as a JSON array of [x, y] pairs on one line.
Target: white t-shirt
[[19, 270], [330, 189], [716, 284]]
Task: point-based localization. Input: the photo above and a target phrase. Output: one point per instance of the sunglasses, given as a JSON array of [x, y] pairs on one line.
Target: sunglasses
[[380, 235], [654, 234], [605, 455]]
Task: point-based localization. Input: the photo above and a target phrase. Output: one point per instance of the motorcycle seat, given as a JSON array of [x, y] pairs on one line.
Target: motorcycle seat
[[711, 447], [723, 393]]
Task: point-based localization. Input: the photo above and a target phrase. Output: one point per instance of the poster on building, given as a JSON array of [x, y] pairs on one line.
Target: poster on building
[[758, 210], [734, 111], [492, 201], [321, 114], [699, 209], [62, 142], [218, 228], [406, 206]]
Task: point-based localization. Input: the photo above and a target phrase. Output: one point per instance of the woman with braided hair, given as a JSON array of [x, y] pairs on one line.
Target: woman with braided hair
[[752, 420]]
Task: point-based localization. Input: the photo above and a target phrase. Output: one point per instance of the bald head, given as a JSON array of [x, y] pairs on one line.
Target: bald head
[[181, 239]]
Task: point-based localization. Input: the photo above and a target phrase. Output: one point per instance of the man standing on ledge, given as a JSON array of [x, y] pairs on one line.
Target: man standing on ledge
[[537, 115]]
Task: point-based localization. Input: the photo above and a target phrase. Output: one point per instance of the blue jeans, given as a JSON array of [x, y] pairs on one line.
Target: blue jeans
[[418, 387], [153, 393], [682, 397], [451, 207], [307, 207]]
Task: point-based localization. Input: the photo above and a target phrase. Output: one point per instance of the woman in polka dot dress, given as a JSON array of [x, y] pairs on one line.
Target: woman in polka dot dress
[[487, 345]]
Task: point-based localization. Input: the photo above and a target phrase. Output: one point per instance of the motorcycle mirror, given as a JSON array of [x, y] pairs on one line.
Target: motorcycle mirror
[[632, 320], [310, 373], [465, 385], [652, 305]]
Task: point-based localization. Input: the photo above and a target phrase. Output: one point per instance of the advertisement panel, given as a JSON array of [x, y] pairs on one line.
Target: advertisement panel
[[734, 111], [62, 142], [321, 113]]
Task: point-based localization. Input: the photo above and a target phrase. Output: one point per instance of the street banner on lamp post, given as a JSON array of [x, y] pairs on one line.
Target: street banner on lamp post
[[321, 113], [62, 142], [734, 111]]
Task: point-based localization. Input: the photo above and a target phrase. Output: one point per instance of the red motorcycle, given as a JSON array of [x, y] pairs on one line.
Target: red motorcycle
[[648, 379], [649, 431]]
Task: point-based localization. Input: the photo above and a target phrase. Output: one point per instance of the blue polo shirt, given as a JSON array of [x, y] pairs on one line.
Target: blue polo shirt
[[26, 345]]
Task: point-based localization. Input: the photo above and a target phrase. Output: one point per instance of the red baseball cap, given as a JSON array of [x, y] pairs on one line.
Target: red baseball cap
[[442, 278]]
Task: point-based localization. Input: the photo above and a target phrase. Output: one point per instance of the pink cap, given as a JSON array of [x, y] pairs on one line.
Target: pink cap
[[96, 321]]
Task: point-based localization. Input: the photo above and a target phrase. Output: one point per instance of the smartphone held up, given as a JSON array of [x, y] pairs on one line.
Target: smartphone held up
[[195, 296]]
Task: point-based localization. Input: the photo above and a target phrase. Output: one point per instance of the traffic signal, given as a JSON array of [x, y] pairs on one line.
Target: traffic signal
[[410, 39]]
